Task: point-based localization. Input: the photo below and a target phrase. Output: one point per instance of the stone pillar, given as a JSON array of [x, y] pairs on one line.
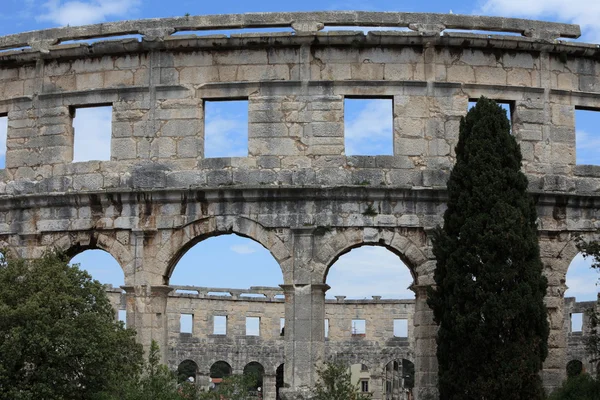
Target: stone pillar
[[376, 384], [425, 332], [304, 338], [147, 313], [554, 372], [268, 388]]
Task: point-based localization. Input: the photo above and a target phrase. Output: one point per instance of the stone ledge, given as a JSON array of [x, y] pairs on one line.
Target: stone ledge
[[300, 21]]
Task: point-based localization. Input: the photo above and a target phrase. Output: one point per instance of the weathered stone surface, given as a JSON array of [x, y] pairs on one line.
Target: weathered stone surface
[[296, 192]]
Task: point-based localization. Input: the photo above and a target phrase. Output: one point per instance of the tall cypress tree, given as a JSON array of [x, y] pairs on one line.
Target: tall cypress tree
[[488, 300]]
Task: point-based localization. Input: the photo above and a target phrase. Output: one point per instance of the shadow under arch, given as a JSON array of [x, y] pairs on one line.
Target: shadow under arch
[[195, 232]]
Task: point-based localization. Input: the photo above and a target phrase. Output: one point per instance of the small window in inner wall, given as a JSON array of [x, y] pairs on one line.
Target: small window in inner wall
[[252, 326], [577, 322], [3, 134], [326, 328], [219, 325], [226, 128], [186, 322], [92, 132], [401, 328], [281, 326], [368, 127], [587, 136], [359, 327]]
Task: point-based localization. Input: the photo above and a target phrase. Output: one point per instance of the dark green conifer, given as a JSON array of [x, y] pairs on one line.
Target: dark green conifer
[[488, 300]]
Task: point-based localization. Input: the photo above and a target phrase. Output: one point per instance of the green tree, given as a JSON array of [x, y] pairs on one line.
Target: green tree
[[58, 336], [488, 299], [335, 383], [579, 387], [157, 382], [233, 387], [592, 341]]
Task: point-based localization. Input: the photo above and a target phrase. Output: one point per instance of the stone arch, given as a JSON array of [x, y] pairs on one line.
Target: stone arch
[[402, 244], [259, 369], [574, 368], [74, 244], [218, 367], [187, 368], [186, 237]]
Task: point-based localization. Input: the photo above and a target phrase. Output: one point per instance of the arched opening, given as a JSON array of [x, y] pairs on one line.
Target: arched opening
[[399, 380], [254, 372], [218, 371], [101, 266], [104, 268], [186, 371], [279, 381], [574, 368], [368, 271], [227, 261], [582, 279]]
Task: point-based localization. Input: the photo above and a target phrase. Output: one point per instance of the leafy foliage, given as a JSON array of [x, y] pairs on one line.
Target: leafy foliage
[[335, 384], [579, 387], [233, 387], [58, 336], [157, 382], [488, 300], [592, 341]]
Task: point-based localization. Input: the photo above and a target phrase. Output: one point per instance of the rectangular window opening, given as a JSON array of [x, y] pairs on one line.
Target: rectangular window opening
[[368, 126], [281, 326], [220, 325], [576, 322], [3, 136], [252, 326], [92, 132], [401, 328], [326, 328], [507, 105], [186, 322], [587, 137], [225, 128], [359, 327], [122, 316], [364, 386]]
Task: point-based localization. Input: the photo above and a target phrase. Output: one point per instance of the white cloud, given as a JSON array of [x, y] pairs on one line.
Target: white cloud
[[369, 129], [370, 271], [583, 12], [82, 12], [243, 249], [587, 148], [92, 134], [226, 129]]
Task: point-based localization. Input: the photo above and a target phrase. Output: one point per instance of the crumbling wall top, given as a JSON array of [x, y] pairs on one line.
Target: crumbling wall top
[[301, 22]]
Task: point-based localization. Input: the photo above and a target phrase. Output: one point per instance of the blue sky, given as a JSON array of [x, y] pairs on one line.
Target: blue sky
[[363, 272]]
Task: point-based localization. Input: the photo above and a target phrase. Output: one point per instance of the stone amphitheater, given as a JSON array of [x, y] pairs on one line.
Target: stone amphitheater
[[296, 193]]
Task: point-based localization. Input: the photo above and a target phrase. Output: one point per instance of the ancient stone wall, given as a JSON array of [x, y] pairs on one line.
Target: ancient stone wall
[[297, 193], [375, 349]]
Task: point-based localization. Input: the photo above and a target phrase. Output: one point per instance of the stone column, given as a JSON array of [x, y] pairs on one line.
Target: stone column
[[268, 388], [147, 313], [425, 332], [554, 372], [376, 384], [304, 338]]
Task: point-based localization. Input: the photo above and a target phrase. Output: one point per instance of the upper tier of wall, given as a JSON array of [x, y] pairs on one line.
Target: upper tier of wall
[[295, 84]]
